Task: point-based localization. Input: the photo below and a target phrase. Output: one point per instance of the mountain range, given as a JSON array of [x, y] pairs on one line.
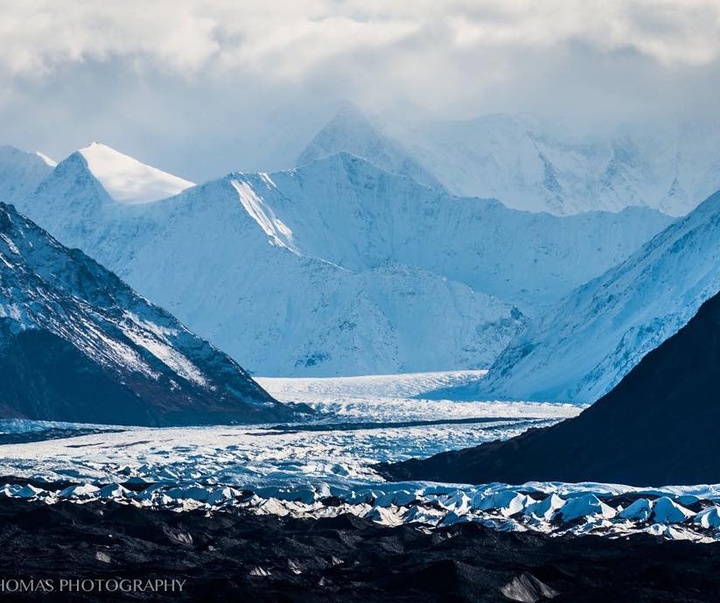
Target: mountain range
[[538, 164], [337, 267], [77, 344]]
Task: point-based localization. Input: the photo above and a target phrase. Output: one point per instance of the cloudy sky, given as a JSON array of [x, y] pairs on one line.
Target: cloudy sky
[[201, 87]]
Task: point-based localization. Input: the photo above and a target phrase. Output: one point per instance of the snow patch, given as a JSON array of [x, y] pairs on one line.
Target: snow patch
[[166, 353], [278, 232], [50, 162], [127, 180]]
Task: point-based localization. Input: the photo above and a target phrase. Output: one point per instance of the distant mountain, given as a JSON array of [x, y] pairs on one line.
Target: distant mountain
[[657, 427], [581, 348], [538, 165], [21, 172], [77, 344], [126, 179], [338, 267], [351, 131], [230, 269], [347, 211]]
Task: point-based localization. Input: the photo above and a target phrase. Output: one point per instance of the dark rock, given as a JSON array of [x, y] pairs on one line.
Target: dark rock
[[235, 556]]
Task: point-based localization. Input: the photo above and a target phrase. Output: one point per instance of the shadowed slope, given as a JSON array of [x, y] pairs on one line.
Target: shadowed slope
[[77, 344], [659, 426]]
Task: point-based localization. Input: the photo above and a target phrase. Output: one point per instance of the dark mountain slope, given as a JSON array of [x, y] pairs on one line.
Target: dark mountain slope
[[77, 344], [658, 426]]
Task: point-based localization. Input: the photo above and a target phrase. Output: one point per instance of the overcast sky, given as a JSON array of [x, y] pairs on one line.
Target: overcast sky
[[200, 87]]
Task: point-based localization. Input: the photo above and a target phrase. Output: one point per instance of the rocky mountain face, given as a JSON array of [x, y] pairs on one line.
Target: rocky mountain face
[[77, 344]]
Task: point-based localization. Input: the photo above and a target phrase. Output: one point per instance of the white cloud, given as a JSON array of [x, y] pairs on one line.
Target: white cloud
[[285, 38], [167, 73]]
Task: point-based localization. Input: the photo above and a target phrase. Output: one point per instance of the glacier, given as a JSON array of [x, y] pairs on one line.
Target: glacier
[[324, 468]]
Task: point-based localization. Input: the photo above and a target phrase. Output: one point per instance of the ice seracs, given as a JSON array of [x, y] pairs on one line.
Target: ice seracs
[[127, 180], [666, 510], [709, 518], [584, 510], [585, 506]]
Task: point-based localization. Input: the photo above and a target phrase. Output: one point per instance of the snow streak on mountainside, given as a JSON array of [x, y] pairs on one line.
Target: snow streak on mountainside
[[70, 329], [581, 348], [536, 165], [350, 131], [338, 267], [20, 173], [127, 180]]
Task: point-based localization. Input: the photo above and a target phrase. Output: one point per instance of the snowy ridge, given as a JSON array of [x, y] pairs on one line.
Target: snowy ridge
[[48, 160], [127, 180], [537, 165], [345, 210], [581, 348]]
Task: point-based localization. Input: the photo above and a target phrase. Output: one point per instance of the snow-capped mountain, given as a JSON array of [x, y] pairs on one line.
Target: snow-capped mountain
[[126, 179], [657, 427], [537, 164], [77, 344], [338, 267], [582, 347], [231, 270], [345, 210], [21, 172], [350, 131]]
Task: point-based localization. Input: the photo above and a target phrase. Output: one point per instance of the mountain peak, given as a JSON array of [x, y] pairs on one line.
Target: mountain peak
[[48, 160], [350, 116], [128, 180], [351, 131], [20, 173]]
